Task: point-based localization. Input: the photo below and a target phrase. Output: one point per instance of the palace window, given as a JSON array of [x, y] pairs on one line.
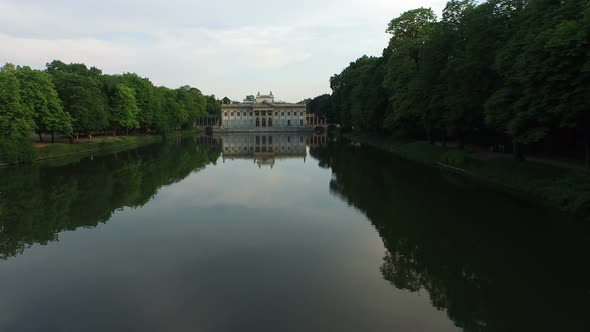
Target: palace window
[[276, 113], [239, 114], [288, 123], [301, 113], [270, 122], [257, 113], [250, 113], [301, 123], [225, 114], [288, 113], [232, 113], [282, 113]]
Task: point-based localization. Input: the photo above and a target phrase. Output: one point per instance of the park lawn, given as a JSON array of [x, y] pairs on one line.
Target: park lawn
[[55, 150]]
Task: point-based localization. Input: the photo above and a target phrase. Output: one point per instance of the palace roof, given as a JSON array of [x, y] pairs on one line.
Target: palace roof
[[264, 104]]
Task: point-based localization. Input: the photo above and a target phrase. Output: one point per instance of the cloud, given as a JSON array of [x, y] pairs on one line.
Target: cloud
[[228, 47]]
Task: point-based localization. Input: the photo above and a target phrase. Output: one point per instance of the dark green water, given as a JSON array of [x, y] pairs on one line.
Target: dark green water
[[270, 234]]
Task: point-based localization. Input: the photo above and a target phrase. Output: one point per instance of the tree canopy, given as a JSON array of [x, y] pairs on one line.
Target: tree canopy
[[509, 72], [74, 99]]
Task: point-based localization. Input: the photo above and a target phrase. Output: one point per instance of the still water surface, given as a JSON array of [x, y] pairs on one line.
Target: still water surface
[[278, 233]]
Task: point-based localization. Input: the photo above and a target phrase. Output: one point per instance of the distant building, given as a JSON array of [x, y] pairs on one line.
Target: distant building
[[263, 113]]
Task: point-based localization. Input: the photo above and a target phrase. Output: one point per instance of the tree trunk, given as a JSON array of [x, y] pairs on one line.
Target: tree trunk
[[40, 137], [516, 151], [77, 137]]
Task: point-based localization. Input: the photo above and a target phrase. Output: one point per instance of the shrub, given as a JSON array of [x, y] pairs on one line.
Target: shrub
[[16, 150]]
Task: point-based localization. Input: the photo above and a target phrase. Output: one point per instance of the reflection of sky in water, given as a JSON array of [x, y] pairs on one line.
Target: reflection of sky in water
[[234, 247]]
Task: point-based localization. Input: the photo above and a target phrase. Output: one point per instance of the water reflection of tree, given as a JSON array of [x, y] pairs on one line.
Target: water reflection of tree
[[36, 203], [493, 263]]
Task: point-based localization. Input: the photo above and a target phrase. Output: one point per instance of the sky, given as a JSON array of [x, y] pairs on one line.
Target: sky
[[228, 48]]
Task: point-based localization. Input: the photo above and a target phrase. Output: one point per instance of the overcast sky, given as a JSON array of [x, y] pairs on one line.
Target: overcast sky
[[223, 47]]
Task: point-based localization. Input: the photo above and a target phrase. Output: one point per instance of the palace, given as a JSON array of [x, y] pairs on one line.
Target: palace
[[263, 113]]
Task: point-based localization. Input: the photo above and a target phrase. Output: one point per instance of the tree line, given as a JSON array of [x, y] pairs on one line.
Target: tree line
[[509, 72], [74, 100]]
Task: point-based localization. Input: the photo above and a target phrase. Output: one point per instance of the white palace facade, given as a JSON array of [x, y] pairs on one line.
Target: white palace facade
[[264, 114]]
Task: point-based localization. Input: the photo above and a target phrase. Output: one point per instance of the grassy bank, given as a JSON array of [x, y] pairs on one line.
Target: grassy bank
[[564, 188], [58, 150]]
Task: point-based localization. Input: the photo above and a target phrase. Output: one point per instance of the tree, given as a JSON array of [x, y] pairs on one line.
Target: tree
[[39, 95], [193, 102], [124, 110], [213, 105], [80, 92], [16, 120], [226, 101], [410, 33], [145, 96], [322, 107]]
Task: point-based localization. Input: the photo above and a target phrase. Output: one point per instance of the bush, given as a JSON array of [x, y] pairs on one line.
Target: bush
[[16, 150]]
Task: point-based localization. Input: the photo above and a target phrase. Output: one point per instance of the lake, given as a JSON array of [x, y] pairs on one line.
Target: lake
[[279, 232]]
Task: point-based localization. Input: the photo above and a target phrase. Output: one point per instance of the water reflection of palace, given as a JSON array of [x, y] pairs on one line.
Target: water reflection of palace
[[265, 148]]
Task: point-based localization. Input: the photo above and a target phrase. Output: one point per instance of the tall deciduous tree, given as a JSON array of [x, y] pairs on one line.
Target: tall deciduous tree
[[16, 120], [79, 90], [410, 33], [124, 111], [39, 95]]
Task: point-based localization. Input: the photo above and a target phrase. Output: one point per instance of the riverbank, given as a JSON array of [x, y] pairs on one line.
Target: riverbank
[[62, 150], [567, 189]]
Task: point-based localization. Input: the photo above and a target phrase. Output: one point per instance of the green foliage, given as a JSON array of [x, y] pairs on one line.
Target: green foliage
[[72, 99], [16, 120], [16, 149], [39, 95], [193, 102], [497, 71], [356, 100], [79, 89], [322, 106], [145, 97], [213, 105], [124, 112]]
